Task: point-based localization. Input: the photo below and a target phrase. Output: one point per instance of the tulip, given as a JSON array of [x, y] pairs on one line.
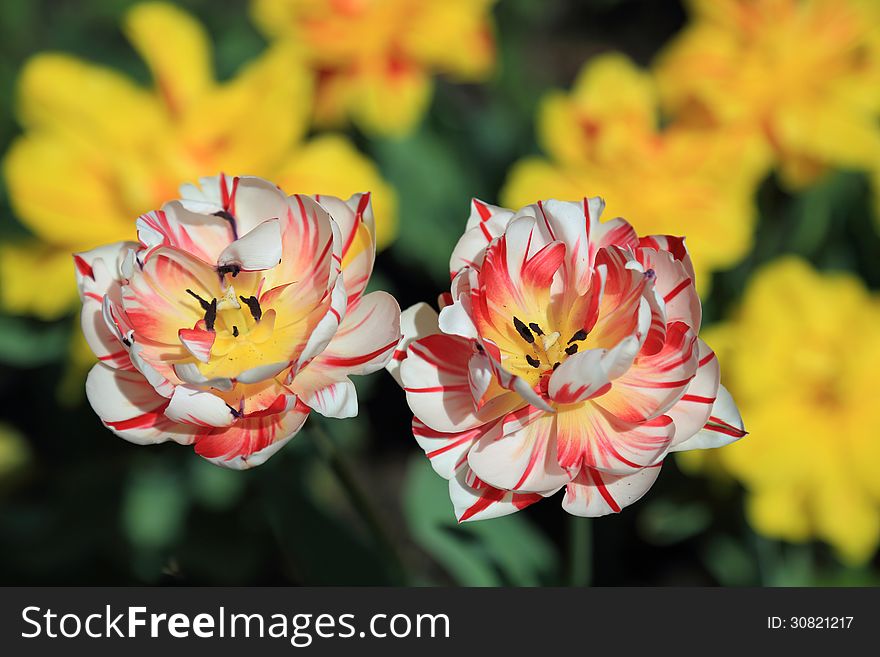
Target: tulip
[[566, 355], [238, 312]]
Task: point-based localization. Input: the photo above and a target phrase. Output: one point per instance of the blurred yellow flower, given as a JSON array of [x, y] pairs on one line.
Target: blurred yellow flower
[[14, 451], [375, 58], [801, 357], [604, 136], [98, 150], [803, 74]]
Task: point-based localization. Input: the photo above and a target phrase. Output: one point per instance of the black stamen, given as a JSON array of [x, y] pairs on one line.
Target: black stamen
[[126, 341], [211, 315], [537, 329], [479, 347], [555, 365], [204, 304], [229, 269], [580, 335], [572, 349], [523, 330], [223, 214], [234, 331], [534, 362], [254, 306]]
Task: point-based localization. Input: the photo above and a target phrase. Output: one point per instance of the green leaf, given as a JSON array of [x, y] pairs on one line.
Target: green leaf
[[503, 551], [664, 522], [25, 343], [154, 507], [434, 187]]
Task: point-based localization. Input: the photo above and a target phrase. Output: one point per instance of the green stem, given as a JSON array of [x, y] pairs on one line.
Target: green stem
[[361, 502], [580, 551]]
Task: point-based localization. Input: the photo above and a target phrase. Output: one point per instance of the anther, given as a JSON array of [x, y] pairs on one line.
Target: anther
[[534, 362], [572, 349], [234, 331], [204, 304], [650, 274], [254, 306], [555, 365], [223, 214], [523, 330], [211, 315], [537, 329], [580, 335], [229, 269]]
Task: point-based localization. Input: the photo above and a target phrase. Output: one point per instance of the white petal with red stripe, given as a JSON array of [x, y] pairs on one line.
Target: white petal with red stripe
[[366, 338], [724, 426], [199, 407], [654, 383], [522, 455], [692, 411], [482, 502], [417, 321], [589, 436], [435, 378], [588, 374], [595, 493], [251, 441], [448, 451], [131, 408], [255, 251]]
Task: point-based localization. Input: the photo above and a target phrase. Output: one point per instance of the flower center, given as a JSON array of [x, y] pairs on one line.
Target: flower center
[[243, 334], [543, 351]]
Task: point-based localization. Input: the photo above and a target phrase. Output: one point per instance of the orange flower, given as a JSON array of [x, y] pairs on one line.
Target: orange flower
[[375, 58]]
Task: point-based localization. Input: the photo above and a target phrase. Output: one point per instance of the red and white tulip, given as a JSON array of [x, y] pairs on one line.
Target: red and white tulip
[[566, 356], [238, 311]]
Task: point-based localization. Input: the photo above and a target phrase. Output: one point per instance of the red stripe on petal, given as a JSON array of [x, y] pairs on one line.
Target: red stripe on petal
[[482, 210], [143, 421], [676, 290], [339, 361], [603, 490], [83, 267], [697, 399]]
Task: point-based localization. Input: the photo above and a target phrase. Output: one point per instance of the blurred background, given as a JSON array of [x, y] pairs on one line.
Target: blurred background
[[751, 127]]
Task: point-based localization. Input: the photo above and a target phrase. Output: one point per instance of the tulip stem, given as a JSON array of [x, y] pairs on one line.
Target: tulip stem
[[361, 502], [580, 551]]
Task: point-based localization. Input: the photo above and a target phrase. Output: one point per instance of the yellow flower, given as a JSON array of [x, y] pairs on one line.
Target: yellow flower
[[801, 357], [14, 451], [375, 58], [802, 74], [98, 150], [604, 136]]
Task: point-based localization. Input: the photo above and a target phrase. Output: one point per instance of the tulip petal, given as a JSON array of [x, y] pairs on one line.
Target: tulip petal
[[417, 321], [199, 407], [257, 250], [435, 379], [337, 399], [358, 238], [366, 338], [131, 408], [725, 425], [251, 441], [654, 383], [589, 436], [589, 373], [595, 493], [485, 223], [483, 502], [521, 454], [692, 411], [447, 451], [201, 235]]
